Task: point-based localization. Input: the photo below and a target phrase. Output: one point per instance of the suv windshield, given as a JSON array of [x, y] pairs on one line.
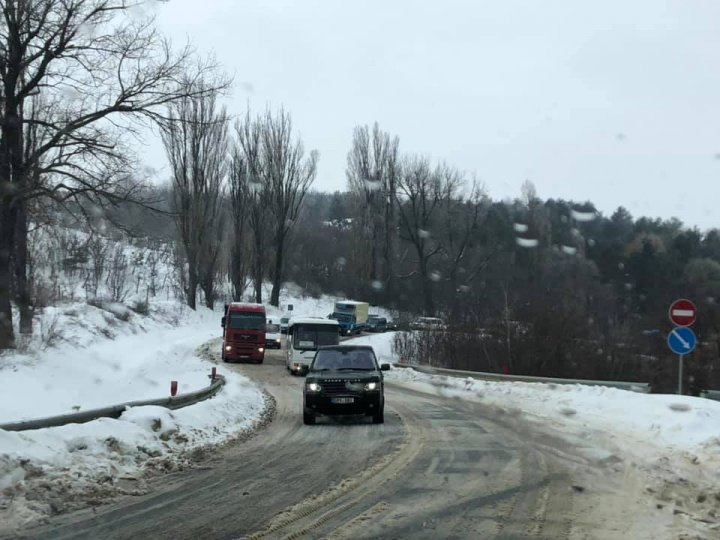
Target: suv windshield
[[333, 359], [310, 337], [247, 321]]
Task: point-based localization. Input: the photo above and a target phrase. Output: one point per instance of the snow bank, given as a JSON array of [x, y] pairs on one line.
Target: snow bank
[[103, 356], [675, 423], [79, 463], [648, 427]]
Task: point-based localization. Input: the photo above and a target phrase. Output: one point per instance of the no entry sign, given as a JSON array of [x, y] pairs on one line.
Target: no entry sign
[[683, 312]]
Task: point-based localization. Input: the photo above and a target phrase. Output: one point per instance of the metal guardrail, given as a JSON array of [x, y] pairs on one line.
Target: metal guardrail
[[643, 388], [710, 394], [115, 411]]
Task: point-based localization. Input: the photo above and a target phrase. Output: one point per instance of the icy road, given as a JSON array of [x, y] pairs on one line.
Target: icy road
[[440, 467]]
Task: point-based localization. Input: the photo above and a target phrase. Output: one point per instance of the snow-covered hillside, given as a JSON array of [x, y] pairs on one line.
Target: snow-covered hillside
[[106, 355], [70, 265]]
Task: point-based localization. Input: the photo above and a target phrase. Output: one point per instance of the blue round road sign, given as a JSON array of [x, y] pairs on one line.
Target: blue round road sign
[[681, 340]]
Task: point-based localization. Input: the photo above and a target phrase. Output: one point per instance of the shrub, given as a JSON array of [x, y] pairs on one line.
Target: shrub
[[141, 307]]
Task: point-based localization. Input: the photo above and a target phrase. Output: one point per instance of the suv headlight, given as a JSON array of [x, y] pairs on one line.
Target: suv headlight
[[313, 387], [369, 387]]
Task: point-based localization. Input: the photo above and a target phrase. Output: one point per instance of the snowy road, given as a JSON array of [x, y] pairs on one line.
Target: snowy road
[[438, 468]]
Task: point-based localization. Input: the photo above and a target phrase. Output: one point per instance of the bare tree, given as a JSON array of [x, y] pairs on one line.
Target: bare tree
[[195, 139], [372, 170], [462, 216], [98, 250], [117, 274], [249, 194], [421, 192], [99, 70], [288, 176]]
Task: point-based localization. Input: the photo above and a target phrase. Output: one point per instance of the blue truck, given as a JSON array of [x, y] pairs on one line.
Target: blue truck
[[352, 316]]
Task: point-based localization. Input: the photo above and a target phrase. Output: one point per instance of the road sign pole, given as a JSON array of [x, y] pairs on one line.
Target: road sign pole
[[680, 373]]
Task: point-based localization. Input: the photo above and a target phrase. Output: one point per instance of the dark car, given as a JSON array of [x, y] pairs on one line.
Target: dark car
[[376, 324], [344, 380]]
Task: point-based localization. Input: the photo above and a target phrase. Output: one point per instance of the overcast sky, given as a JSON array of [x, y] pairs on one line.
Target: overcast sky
[[616, 102]]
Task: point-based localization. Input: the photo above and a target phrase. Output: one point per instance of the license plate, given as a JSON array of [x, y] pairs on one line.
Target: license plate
[[342, 400]]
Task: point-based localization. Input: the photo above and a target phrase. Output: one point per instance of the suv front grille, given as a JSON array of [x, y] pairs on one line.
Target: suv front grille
[[341, 387], [334, 387]]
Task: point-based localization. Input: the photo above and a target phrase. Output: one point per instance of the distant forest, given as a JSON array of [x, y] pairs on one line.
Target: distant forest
[[532, 286]]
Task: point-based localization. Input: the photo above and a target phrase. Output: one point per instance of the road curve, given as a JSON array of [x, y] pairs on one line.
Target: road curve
[[437, 468]]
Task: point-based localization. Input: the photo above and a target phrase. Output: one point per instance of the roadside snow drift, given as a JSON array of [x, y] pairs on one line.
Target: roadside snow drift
[[104, 356], [646, 427]]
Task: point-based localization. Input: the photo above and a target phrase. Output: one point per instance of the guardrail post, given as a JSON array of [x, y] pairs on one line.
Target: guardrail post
[[213, 373], [173, 388]]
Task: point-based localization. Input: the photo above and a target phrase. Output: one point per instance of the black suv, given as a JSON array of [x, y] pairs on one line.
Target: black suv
[[344, 379]]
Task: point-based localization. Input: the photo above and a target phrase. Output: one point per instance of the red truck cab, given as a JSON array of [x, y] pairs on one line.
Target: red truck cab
[[243, 332]]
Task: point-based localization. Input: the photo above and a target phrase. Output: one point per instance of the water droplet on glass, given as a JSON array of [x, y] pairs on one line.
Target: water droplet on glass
[[621, 266], [620, 137], [591, 242], [137, 11], [422, 233], [600, 351], [86, 30], [341, 261], [69, 93], [628, 286], [520, 227], [579, 215], [377, 285], [527, 242], [570, 250], [464, 288], [563, 219], [435, 276], [372, 185]]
